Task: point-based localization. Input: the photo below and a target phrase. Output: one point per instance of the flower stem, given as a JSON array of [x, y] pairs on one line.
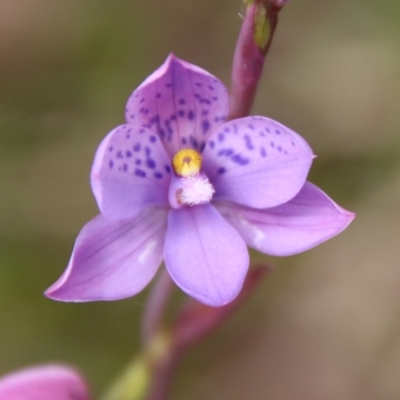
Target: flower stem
[[155, 306], [254, 41]]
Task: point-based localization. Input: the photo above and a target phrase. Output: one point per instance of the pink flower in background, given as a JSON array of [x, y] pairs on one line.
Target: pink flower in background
[[46, 382], [178, 183]]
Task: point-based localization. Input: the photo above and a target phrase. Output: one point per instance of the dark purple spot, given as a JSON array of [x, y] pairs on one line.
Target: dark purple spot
[[155, 119], [183, 140], [168, 85], [248, 142], [215, 98], [141, 100], [278, 132], [267, 130], [137, 147], [128, 154], [172, 118], [211, 144], [285, 151], [157, 175], [251, 126], [142, 130], [227, 130], [272, 144], [225, 152], [263, 152], [138, 162], [120, 155], [190, 115], [202, 145], [205, 126], [128, 136], [193, 141], [158, 95], [111, 148], [147, 151], [262, 134], [125, 167], [211, 88], [238, 159], [279, 148], [221, 137], [110, 164], [140, 173], [204, 113], [168, 169], [152, 138], [221, 170], [216, 119], [293, 144], [161, 132], [182, 101], [150, 163], [198, 84], [181, 113]]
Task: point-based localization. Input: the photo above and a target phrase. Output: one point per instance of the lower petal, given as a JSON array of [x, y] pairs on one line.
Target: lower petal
[[307, 220], [45, 382], [205, 256], [113, 260]]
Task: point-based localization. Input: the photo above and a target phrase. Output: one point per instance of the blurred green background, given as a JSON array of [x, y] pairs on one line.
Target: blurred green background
[[326, 324]]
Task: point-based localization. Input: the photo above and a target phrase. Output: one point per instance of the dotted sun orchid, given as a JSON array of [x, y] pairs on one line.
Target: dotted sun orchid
[[177, 182]]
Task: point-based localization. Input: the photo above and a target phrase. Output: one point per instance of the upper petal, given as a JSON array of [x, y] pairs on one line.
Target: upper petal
[[45, 382], [307, 220], [113, 260], [205, 256], [257, 162], [183, 103], [131, 171]]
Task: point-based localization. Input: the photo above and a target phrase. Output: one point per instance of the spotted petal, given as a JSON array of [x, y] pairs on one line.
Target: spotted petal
[[181, 102], [130, 172], [205, 256], [45, 382], [256, 162], [113, 260], [307, 220]]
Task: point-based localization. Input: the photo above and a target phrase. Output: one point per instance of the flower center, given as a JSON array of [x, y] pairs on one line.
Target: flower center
[[191, 187], [187, 162]]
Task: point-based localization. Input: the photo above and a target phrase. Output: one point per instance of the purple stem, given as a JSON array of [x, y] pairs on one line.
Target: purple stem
[[249, 57], [155, 306]]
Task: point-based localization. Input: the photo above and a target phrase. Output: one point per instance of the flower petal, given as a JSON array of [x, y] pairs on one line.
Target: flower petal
[[183, 103], [113, 259], [205, 256], [307, 220], [45, 382], [257, 162], [131, 171]]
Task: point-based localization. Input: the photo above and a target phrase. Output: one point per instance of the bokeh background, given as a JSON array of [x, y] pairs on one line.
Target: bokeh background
[[326, 324]]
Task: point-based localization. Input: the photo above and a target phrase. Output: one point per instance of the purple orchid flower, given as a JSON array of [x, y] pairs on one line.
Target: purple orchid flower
[[45, 382], [179, 183]]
